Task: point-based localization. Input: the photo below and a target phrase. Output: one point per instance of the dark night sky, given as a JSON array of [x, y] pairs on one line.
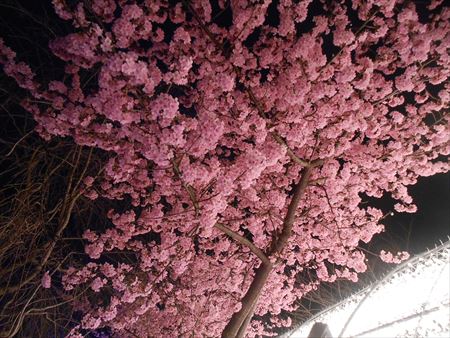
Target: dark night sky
[[431, 223]]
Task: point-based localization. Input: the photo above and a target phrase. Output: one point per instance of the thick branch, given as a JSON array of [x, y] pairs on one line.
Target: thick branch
[[237, 325], [289, 151], [280, 242], [238, 238]]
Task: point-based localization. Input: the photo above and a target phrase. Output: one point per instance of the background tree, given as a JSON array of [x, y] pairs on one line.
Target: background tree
[[242, 139]]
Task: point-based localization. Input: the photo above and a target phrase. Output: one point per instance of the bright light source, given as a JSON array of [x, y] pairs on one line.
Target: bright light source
[[412, 301]]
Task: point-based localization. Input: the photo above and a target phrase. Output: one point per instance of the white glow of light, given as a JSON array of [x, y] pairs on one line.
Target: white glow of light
[[412, 301]]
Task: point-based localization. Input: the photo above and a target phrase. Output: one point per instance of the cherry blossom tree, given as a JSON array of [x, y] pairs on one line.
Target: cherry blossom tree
[[242, 137]]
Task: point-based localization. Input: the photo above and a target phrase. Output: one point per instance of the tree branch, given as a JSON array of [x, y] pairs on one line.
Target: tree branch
[[289, 151], [280, 242], [49, 251], [237, 325], [238, 238]]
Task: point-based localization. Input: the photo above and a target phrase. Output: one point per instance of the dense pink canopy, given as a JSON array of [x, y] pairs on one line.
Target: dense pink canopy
[[213, 130]]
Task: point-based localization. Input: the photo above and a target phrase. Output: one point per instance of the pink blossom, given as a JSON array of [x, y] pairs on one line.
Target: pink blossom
[[97, 284], [46, 281], [389, 257]]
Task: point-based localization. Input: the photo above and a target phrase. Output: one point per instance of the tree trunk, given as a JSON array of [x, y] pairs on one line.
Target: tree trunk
[[239, 321], [237, 326]]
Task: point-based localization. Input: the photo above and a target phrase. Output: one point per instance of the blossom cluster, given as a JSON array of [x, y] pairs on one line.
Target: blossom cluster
[[389, 257]]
